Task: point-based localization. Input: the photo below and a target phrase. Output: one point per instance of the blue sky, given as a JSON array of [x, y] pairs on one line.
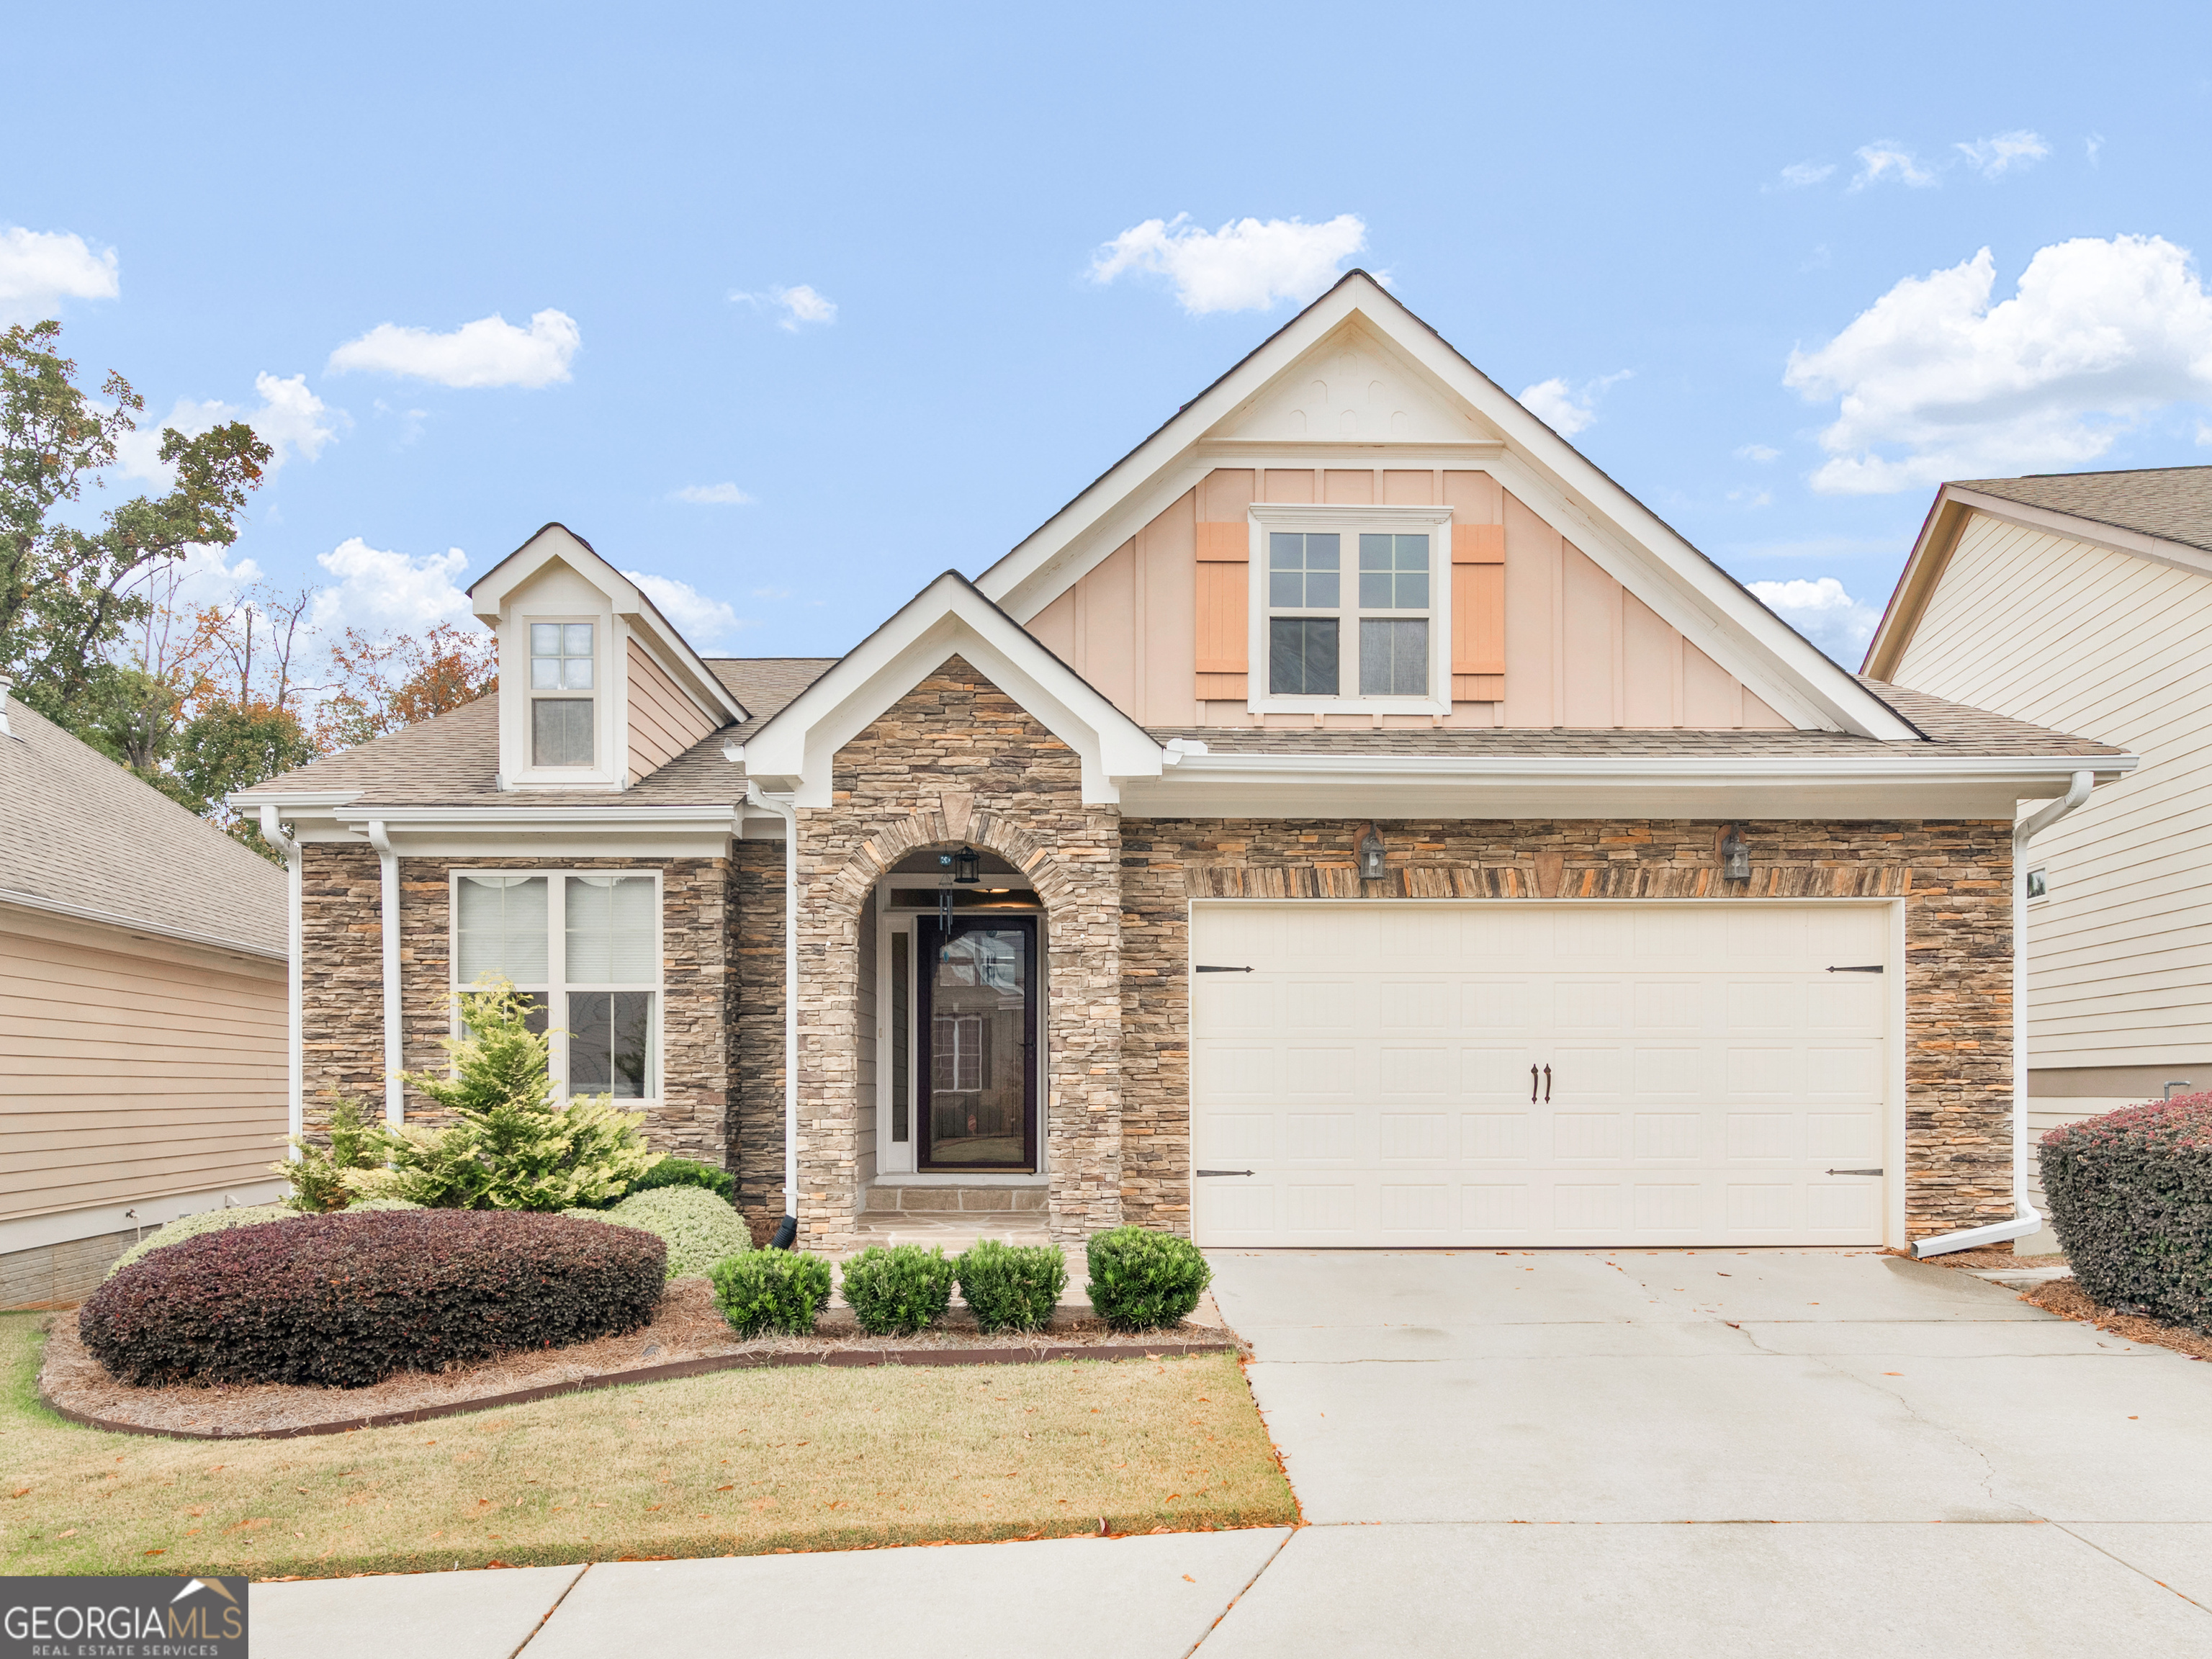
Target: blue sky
[[843, 265]]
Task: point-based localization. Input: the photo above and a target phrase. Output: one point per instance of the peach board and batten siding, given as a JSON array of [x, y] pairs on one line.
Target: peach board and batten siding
[[1541, 636], [664, 722], [131, 1069], [2120, 953]]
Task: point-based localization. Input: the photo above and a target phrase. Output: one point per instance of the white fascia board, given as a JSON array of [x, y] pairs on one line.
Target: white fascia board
[[1538, 786], [793, 751], [1627, 540], [253, 800], [702, 831]]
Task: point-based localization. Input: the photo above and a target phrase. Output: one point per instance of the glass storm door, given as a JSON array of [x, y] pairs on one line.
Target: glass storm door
[[978, 1038]]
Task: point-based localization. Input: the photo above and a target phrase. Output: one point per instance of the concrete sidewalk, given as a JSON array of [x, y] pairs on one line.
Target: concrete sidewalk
[[1723, 1455]]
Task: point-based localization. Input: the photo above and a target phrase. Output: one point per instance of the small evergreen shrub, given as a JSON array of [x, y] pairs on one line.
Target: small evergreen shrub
[[346, 1300], [1011, 1287], [766, 1290], [323, 1178], [687, 1172], [1140, 1279], [897, 1291], [512, 1144], [698, 1228], [2130, 1194]]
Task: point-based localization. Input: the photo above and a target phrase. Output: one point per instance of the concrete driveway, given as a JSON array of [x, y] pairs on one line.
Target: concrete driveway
[[1711, 1453]]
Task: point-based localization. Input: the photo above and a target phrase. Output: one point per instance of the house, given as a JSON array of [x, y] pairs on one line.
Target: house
[[2084, 600], [142, 995], [1354, 819]]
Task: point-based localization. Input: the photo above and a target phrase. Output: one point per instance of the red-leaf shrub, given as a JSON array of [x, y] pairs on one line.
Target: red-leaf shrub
[[2130, 1194], [346, 1300]]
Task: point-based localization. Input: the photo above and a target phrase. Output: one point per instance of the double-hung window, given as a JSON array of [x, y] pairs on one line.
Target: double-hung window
[[560, 721], [584, 947], [1351, 613]]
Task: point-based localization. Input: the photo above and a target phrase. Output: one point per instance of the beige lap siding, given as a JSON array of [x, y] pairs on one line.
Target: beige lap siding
[[955, 760], [343, 976], [1956, 878]]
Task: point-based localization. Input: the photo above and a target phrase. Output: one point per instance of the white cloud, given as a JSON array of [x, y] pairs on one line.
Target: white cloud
[[1824, 613], [1759, 453], [1798, 174], [1751, 498], [1565, 411], [1934, 382], [2204, 432], [40, 267], [698, 618], [1884, 158], [379, 592], [715, 495], [291, 420], [1993, 157], [491, 351], [1246, 265], [2092, 145], [799, 304]]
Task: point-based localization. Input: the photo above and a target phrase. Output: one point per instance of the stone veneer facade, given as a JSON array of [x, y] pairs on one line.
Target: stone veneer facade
[[343, 976], [955, 760]]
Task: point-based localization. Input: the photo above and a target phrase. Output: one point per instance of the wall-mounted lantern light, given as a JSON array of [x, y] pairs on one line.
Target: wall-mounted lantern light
[[967, 867], [1735, 856], [1370, 855]]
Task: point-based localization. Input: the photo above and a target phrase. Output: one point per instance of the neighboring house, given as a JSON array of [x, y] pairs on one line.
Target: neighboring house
[[2084, 601], [143, 1071], [1352, 820]]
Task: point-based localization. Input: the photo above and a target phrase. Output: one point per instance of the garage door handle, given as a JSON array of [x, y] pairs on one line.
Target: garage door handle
[[1532, 1085], [1548, 1085], [1223, 1172], [1854, 1172], [1208, 968]]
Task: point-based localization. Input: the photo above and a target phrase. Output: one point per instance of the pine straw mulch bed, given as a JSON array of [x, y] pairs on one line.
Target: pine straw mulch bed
[[2069, 1300], [688, 1336]]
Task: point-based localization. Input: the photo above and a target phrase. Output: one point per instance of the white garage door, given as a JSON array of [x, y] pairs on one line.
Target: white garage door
[[1698, 1073]]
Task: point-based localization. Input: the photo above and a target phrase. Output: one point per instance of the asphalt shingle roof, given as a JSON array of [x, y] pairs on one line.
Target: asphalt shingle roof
[[2173, 503], [78, 831]]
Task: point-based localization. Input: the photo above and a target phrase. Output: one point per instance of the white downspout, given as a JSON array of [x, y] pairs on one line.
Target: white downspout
[[2025, 1219], [272, 832], [387, 869], [786, 1233]]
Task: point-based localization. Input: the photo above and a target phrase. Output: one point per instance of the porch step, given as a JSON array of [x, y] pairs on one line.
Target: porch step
[[941, 1203]]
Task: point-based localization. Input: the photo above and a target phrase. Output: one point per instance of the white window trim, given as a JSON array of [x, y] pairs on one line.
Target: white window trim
[[556, 987], [610, 704], [1347, 522]]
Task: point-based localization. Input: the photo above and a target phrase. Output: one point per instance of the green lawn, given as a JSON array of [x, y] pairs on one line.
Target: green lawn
[[740, 1462]]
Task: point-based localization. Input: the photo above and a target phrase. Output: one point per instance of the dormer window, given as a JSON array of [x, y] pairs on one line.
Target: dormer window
[[561, 724]]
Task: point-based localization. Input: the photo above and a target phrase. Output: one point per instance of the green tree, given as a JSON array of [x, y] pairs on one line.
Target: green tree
[[67, 594]]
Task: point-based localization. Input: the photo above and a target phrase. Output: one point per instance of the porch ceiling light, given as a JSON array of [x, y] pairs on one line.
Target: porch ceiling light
[[967, 867]]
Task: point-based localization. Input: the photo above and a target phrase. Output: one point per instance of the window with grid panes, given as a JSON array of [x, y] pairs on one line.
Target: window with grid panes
[[561, 723], [1337, 632]]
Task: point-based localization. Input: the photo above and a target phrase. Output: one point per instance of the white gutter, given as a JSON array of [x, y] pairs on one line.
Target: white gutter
[[787, 1233], [387, 870], [2025, 1219], [1720, 771], [272, 830]]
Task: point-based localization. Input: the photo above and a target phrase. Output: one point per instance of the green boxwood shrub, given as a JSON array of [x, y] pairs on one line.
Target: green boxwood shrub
[[1012, 1287], [686, 1172], [2130, 1194], [1140, 1279], [245, 1215], [897, 1291], [771, 1291], [346, 1300], [698, 1228]]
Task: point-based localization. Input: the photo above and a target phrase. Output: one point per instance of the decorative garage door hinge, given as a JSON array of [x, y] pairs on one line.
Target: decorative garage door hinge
[[1208, 968], [1854, 1172], [1223, 1172], [1870, 967]]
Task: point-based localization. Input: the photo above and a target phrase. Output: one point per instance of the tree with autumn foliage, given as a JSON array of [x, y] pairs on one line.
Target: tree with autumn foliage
[[379, 685]]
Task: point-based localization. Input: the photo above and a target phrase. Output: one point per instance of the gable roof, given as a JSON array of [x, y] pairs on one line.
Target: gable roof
[[452, 759], [82, 836], [1622, 537], [794, 749], [556, 542], [2163, 513]]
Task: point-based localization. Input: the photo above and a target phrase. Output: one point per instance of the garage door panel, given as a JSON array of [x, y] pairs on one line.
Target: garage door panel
[[1374, 1072]]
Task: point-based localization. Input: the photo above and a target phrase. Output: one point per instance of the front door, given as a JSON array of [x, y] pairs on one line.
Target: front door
[[978, 1042]]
